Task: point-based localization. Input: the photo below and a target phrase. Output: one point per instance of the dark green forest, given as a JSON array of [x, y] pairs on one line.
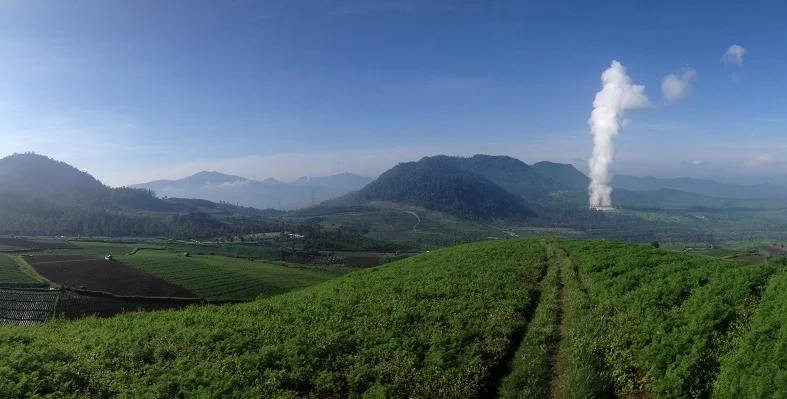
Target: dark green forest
[[435, 184], [41, 196]]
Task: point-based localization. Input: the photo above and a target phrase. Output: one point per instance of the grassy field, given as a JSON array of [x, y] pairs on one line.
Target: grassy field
[[223, 278], [518, 318]]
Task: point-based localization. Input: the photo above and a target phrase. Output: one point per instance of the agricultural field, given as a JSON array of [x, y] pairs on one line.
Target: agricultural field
[[437, 325], [393, 222], [26, 307], [76, 305], [103, 275], [222, 278], [11, 274], [160, 269], [28, 243], [755, 367], [669, 317], [527, 318], [754, 251]]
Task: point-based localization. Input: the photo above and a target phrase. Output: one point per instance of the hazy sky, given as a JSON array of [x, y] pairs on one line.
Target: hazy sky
[[139, 90]]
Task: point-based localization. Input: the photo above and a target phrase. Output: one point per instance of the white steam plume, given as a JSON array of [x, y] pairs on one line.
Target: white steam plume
[[618, 93]]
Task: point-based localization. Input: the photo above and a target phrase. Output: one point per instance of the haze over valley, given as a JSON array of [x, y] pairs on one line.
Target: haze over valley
[[269, 193]]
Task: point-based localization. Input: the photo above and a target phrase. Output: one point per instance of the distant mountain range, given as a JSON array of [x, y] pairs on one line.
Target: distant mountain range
[[704, 187], [42, 196], [485, 187], [269, 193], [481, 187]]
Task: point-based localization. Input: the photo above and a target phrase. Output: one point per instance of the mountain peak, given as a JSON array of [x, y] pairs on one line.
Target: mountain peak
[[271, 180], [442, 184]]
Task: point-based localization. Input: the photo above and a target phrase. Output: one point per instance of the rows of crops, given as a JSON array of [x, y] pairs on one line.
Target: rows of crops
[[602, 320], [11, 275], [670, 317], [562, 354], [75, 305], [221, 278], [433, 326], [756, 368], [533, 363], [26, 307]]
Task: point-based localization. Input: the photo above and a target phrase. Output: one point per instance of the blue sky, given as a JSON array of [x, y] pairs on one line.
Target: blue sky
[[139, 90]]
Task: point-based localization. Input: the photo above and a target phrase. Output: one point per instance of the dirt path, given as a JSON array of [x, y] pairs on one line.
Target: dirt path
[[557, 361], [528, 367], [416, 216]]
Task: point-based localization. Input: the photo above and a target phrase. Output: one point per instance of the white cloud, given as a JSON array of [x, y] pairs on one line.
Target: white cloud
[[735, 54], [674, 87], [229, 184], [698, 162], [759, 161]]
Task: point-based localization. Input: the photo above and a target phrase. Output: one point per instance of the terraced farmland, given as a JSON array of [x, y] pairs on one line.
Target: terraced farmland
[[26, 307], [12, 276], [222, 278]]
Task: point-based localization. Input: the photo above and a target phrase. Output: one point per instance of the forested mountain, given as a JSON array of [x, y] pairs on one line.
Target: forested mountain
[[269, 193], [437, 183], [704, 187], [501, 185], [33, 173], [486, 188], [510, 173], [565, 174], [41, 196]]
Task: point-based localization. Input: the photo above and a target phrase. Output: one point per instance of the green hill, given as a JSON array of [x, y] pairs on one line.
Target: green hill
[[510, 173], [518, 318], [436, 183], [565, 174]]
